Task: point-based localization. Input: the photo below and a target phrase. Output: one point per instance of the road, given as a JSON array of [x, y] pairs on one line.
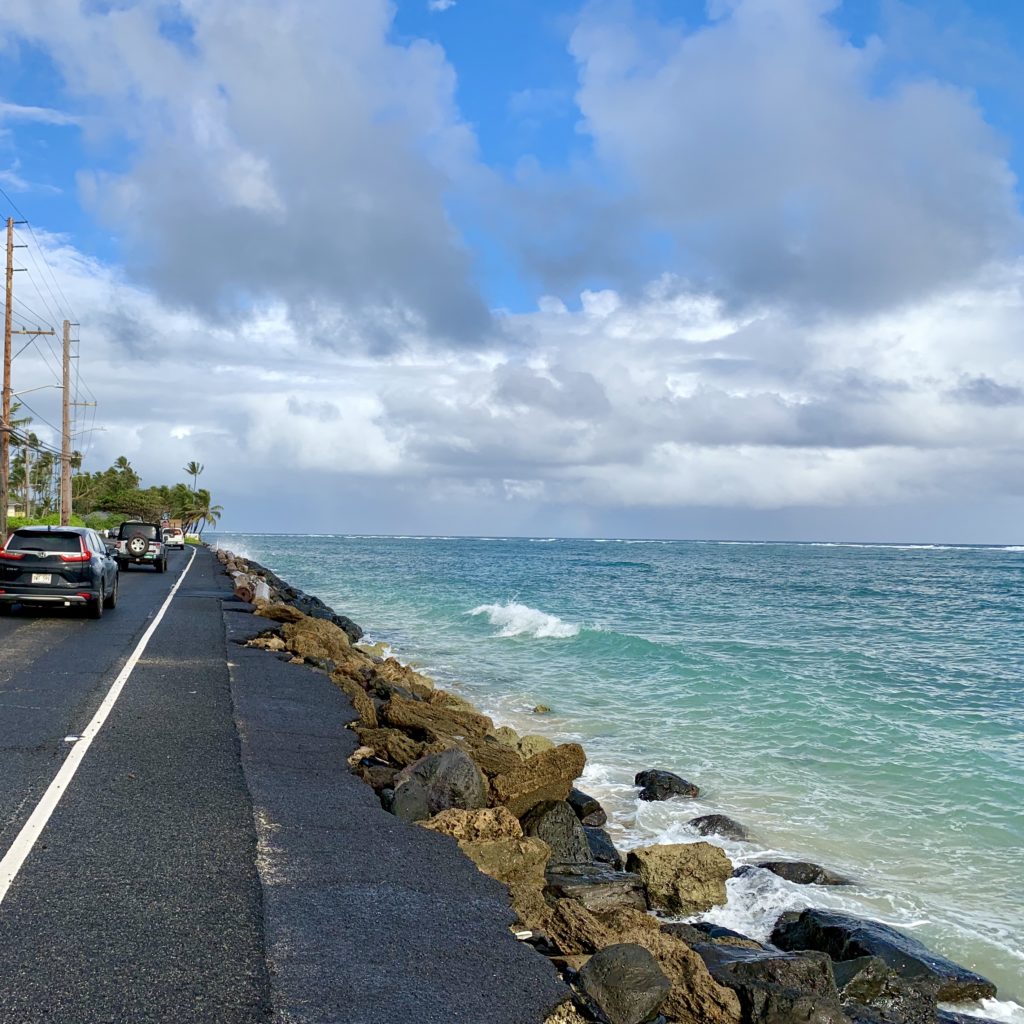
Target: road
[[211, 860]]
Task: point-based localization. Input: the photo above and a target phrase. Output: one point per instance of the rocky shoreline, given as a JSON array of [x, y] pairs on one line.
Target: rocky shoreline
[[604, 920]]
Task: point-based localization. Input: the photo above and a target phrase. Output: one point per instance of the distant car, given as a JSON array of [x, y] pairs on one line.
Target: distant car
[[173, 537], [140, 543], [63, 566]]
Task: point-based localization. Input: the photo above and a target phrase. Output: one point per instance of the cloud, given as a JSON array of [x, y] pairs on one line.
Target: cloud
[[37, 115], [286, 152], [440, 5], [783, 166]]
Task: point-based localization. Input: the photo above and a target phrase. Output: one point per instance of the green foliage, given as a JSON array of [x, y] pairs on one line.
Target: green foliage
[[16, 522]]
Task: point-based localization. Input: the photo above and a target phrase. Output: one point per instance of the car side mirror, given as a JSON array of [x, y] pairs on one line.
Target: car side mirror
[[111, 548]]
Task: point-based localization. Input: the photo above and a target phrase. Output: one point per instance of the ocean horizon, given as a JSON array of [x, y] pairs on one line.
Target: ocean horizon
[[853, 703]]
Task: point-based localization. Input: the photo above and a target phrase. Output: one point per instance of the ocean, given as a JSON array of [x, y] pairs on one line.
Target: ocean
[[857, 705]]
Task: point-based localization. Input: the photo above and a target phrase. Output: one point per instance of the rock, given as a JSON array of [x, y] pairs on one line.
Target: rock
[[316, 638], [278, 612], [845, 937], [597, 887], [391, 670], [574, 930], [494, 758], [587, 809], [556, 823], [512, 861], [602, 849], [393, 744], [720, 825], [413, 715], [775, 987], [378, 777], [541, 709], [437, 782], [659, 785], [548, 775], [625, 983], [507, 735], [361, 703], [799, 871], [531, 744], [869, 981], [472, 826], [315, 608], [359, 754], [702, 932], [696, 998], [682, 878], [566, 1014]]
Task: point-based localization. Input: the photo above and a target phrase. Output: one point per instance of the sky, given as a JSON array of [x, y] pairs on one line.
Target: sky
[[743, 269]]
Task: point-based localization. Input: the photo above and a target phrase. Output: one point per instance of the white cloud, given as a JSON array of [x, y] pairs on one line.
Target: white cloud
[[440, 5]]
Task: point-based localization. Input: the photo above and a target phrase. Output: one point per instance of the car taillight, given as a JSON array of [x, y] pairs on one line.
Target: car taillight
[[83, 556], [11, 556]]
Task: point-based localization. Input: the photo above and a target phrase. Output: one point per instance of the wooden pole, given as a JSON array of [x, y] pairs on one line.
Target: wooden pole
[[5, 407], [65, 439]]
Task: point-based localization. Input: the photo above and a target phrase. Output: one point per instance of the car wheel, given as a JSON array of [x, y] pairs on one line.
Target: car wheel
[[111, 601], [94, 609]]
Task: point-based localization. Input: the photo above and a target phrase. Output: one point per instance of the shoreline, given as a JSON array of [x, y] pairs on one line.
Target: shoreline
[[416, 727]]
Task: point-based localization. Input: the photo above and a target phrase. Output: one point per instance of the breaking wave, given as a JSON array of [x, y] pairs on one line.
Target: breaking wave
[[514, 619]]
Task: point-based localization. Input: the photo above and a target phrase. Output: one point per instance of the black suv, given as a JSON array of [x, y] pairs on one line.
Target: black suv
[[141, 543], [64, 566]]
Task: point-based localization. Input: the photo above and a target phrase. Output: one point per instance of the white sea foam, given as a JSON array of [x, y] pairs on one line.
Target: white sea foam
[[542, 540], [1005, 1010], [1012, 547], [516, 619]]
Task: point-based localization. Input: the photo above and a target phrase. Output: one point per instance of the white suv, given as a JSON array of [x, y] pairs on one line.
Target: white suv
[[173, 537]]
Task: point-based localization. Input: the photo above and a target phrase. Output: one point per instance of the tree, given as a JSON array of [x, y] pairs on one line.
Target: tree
[[193, 469]]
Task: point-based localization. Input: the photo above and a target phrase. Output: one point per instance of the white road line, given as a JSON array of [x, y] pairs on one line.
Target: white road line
[[33, 828]]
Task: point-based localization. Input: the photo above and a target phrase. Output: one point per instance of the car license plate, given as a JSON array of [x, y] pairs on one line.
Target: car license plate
[[42, 577]]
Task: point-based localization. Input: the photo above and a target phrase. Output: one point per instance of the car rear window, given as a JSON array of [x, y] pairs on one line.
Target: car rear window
[[45, 542], [130, 529]]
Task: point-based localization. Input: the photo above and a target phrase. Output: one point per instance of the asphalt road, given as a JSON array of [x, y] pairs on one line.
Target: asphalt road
[[212, 860]]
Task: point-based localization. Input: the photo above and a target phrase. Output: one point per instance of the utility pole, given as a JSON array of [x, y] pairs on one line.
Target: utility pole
[[5, 404], [65, 439]]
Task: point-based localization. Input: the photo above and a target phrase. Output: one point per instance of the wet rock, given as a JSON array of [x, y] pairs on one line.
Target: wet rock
[[531, 744], [474, 825], [870, 982], [437, 782], [587, 809], [602, 849], [775, 987], [548, 775], [720, 825], [844, 937], [597, 887], [703, 932], [660, 785], [541, 709], [682, 878], [625, 983], [801, 872], [556, 823]]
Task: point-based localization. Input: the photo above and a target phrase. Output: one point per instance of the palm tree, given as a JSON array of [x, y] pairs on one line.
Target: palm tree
[[193, 469]]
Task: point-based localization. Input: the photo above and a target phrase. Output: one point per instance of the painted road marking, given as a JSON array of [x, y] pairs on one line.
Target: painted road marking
[[33, 828]]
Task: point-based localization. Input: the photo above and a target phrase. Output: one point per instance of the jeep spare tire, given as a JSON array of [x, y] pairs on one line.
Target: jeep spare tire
[[137, 545]]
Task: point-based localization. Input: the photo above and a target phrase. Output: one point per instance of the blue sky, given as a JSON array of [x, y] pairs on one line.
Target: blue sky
[[620, 267]]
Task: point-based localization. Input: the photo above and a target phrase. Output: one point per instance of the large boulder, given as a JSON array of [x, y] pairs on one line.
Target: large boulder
[[703, 932], [870, 982], [587, 809], [720, 825], [391, 670], [602, 849], [493, 757], [437, 782], [661, 785], [775, 987], [532, 743], [312, 606], [682, 878], [423, 716], [364, 708], [548, 775], [556, 823], [316, 639], [512, 861], [625, 983], [474, 825], [393, 744], [845, 937], [597, 887], [801, 872], [574, 930]]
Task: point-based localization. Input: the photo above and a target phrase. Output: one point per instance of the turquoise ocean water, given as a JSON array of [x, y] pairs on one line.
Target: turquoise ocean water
[[857, 705]]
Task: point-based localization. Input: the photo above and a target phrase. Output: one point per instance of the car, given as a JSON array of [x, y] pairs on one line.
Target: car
[[173, 537], [140, 543], [61, 566]]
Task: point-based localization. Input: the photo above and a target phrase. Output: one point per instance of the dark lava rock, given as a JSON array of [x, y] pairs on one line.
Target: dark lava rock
[[437, 782], [587, 809], [379, 777], [324, 664], [722, 936], [597, 887], [602, 849], [801, 872], [720, 825], [659, 785], [556, 823], [869, 982], [625, 983], [845, 937], [775, 987]]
